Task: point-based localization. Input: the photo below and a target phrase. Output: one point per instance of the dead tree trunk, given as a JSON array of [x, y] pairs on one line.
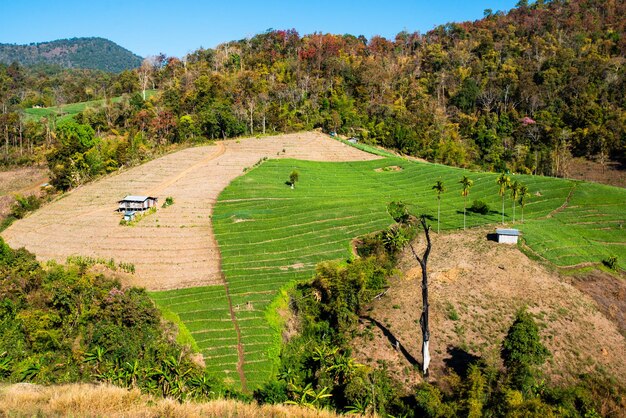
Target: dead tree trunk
[[423, 260]]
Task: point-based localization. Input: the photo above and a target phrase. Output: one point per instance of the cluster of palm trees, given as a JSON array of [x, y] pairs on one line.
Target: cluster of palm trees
[[518, 192]]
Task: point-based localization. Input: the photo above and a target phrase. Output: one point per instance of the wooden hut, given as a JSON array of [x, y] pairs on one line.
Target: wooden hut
[[137, 203]]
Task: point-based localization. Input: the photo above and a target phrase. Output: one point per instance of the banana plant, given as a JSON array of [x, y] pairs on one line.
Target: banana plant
[[307, 396], [5, 365], [95, 357]]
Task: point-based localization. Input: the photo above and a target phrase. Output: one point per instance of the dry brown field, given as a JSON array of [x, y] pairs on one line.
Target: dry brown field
[[174, 247], [475, 288]]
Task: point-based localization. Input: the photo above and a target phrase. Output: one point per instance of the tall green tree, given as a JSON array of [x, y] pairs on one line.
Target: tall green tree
[[466, 184], [515, 195], [522, 352], [523, 195], [439, 188], [504, 182]]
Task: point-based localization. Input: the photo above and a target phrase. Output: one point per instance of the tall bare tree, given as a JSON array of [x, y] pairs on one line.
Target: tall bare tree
[[145, 73], [423, 261]]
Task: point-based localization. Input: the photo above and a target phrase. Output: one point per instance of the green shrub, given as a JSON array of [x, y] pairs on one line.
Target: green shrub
[[610, 262], [272, 392], [480, 207], [169, 201]]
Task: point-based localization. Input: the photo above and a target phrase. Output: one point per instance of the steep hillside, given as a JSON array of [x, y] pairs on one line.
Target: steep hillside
[[475, 288], [88, 53]]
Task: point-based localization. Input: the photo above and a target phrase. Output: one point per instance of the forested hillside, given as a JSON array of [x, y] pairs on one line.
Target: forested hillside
[[87, 53], [523, 91]]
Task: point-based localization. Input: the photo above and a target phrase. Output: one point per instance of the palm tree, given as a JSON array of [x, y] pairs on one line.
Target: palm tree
[[467, 184], [439, 188], [504, 182], [523, 194], [515, 194]]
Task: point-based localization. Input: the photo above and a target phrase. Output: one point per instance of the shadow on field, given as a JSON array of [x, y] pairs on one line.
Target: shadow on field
[[393, 340], [492, 236], [459, 360]]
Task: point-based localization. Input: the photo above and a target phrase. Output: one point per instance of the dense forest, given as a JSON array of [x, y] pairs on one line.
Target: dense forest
[[86, 53], [522, 91]]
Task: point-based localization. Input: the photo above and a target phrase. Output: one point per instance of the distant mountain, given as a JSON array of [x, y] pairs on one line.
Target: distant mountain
[[91, 53]]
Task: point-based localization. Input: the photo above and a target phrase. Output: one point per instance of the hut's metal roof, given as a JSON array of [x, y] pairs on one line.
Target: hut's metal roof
[[513, 232], [135, 198]]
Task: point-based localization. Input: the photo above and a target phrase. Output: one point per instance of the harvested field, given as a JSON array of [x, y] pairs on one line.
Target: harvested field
[[175, 247]]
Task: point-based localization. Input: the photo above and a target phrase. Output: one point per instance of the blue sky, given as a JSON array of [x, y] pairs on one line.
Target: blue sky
[[148, 27]]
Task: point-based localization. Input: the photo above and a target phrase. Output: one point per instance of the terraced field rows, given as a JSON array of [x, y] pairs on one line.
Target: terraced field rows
[[589, 229], [271, 235], [204, 314]]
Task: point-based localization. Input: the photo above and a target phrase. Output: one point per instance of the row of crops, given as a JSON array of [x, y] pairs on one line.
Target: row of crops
[[271, 235]]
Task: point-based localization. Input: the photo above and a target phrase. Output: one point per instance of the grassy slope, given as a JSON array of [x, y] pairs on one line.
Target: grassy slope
[[66, 111], [286, 232]]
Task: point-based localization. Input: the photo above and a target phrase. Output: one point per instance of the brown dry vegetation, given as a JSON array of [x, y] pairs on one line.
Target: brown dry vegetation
[[476, 286], [175, 247], [86, 400], [24, 181], [611, 173]]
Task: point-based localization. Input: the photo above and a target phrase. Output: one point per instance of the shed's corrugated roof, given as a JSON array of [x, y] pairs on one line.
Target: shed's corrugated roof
[[135, 198], [514, 232]]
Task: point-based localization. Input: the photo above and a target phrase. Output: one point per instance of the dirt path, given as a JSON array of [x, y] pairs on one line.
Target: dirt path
[[174, 247], [240, 354], [564, 205]]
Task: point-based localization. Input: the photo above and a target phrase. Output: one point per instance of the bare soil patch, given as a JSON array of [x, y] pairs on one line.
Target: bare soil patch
[[611, 173], [476, 286], [608, 292], [174, 247], [389, 168]]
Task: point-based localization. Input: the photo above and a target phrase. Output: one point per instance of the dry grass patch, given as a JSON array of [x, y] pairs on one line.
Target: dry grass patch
[[86, 400]]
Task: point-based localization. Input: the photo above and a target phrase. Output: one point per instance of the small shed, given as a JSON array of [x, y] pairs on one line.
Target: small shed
[[137, 203], [507, 236], [129, 215]]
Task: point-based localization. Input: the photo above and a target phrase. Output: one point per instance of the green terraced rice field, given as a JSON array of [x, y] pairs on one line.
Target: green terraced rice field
[[271, 236], [202, 313]]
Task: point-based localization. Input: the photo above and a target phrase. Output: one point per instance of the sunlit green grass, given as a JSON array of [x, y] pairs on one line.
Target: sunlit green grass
[[67, 111]]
